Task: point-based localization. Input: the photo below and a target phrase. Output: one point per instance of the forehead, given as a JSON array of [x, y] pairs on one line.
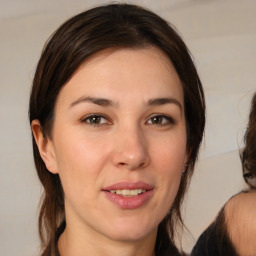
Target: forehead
[[147, 72]]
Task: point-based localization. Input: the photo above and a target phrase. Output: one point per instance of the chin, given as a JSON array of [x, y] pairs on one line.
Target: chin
[[131, 231], [129, 236]]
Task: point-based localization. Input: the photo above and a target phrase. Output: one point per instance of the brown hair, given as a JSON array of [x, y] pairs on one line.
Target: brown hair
[[248, 155], [110, 27]]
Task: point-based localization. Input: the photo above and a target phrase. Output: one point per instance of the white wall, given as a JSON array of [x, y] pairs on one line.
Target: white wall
[[222, 37]]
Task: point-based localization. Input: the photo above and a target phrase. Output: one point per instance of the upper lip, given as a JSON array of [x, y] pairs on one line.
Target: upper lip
[[128, 185]]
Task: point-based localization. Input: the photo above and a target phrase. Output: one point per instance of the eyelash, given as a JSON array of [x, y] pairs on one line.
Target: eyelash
[[168, 120], [98, 117]]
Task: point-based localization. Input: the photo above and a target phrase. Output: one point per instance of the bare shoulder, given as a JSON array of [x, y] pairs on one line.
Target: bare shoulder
[[242, 202], [240, 219]]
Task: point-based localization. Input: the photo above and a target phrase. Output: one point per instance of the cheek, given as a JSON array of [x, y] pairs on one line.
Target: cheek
[[80, 153], [169, 160], [170, 154], [80, 162]]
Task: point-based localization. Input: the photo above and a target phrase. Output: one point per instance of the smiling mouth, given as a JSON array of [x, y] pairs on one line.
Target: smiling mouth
[[128, 192], [128, 195]]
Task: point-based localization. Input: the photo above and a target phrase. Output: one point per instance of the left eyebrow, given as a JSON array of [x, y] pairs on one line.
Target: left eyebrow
[[98, 101], [163, 101]]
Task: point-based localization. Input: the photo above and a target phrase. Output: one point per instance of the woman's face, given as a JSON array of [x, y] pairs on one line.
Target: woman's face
[[119, 143]]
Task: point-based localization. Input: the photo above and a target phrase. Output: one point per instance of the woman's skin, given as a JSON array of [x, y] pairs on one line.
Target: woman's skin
[[119, 124], [240, 215]]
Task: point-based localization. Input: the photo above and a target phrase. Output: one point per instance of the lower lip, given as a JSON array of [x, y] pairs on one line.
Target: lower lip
[[129, 203]]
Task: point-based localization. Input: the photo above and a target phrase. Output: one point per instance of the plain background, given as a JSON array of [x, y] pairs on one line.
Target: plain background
[[221, 35]]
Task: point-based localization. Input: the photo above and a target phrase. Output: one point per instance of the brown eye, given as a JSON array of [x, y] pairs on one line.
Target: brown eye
[[157, 119], [95, 120], [160, 120]]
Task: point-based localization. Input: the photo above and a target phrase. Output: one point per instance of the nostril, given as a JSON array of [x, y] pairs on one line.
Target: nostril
[[131, 165], [131, 158]]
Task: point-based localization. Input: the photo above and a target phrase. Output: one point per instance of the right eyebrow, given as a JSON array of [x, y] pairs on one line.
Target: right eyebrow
[[98, 101], [163, 101]]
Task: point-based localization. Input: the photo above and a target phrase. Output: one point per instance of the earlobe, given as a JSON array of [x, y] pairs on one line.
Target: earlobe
[[187, 157], [45, 147], [186, 163]]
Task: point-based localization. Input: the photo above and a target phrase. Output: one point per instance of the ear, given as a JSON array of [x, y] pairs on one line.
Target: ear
[[187, 157], [45, 147]]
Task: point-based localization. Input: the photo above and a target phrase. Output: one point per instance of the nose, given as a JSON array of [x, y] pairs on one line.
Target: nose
[[130, 149]]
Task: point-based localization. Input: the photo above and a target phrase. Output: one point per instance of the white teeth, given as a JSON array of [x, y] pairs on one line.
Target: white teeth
[[119, 192], [134, 192], [128, 192]]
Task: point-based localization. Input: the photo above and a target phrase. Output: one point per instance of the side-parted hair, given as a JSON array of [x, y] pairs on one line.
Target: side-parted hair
[[248, 155], [110, 27]]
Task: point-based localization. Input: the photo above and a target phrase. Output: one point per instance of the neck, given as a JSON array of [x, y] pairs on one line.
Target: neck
[[80, 243]]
